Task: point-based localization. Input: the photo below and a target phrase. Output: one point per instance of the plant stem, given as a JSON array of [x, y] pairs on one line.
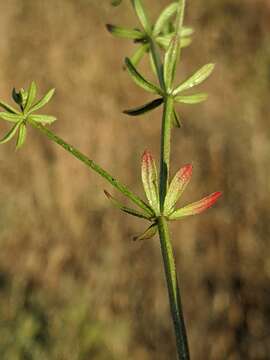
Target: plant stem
[[91, 164], [165, 148], [173, 290]]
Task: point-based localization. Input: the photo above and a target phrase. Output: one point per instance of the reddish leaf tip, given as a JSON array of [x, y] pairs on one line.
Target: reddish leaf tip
[[185, 172], [209, 201]]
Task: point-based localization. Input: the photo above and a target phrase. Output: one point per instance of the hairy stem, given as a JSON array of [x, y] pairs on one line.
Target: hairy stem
[[173, 290], [91, 164]]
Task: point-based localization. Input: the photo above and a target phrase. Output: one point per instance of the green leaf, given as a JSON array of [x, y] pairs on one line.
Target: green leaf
[[127, 210], [164, 17], [173, 53], [10, 134], [149, 233], [150, 182], [138, 55], [177, 187], [164, 41], [8, 108], [43, 101], [152, 64], [196, 78], [176, 120], [32, 92], [140, 80], [140, 11], [170, 61], [186, 31], [192, 99], [11, 117], [43, 119], [21, 136], [144, 108], [124, 33]]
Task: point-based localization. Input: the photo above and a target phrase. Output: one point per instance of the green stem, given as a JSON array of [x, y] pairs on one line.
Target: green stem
[[91, 164], [157, 61], [173, 290], [165, 148]]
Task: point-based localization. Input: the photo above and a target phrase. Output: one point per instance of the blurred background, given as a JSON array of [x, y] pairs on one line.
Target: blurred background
[[73, 285]]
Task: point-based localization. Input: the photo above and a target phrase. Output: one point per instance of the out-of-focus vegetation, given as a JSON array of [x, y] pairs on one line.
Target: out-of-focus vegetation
[[73, 286]]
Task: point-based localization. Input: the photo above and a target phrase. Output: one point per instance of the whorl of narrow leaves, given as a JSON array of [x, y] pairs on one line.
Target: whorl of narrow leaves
[[150, 181], [177, 187], [196, 207], [26, 102]]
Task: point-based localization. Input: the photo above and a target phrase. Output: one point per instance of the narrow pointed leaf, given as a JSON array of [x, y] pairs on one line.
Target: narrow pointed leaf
[[177, 187], [122, 207], [43, 101], [173, 53], [10, 134], [192, 99], [144, 108], [140, 80], [150, 182], [140, 11], [164, 17], [176, 120], [164, 41], [21, 136], [196, 79], [139, 53], [124, 33], [32, 92], [195, 208], [8, 108], [170, 61], [10, 117], [149, 233], [43, 119], [152, 64]]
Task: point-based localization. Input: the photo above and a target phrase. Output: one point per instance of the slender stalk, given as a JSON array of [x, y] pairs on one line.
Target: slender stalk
[[165, 242], [173, 290], [165, 148], [91, 164]]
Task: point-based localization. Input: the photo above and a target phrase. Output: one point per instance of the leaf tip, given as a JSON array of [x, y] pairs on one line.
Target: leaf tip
[[209, 201], [185, 172]]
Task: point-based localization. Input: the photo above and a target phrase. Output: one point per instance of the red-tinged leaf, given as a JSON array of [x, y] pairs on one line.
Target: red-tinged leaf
[[149, 179], [177, 187], [147, 234], [195, 208]]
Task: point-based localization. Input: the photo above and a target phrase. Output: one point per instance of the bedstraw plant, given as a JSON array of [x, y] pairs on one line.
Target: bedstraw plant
[[162, 42]]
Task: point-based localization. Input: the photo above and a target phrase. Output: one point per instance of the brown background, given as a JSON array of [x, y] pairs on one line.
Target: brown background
[[73, 286]]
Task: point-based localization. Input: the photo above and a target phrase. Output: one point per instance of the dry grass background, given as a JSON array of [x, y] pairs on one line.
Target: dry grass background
[[73, 286]]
